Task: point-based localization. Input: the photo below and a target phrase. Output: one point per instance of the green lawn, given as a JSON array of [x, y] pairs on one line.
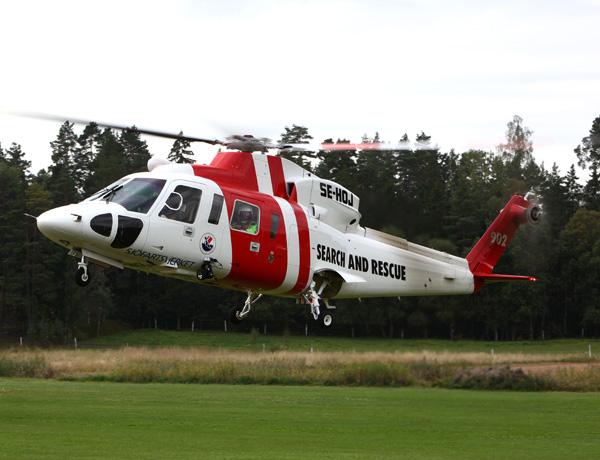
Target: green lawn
[[51, 419], [256, 342]]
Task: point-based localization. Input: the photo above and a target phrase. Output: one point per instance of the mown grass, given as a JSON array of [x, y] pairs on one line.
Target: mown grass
[[56, 420], [258, 342]]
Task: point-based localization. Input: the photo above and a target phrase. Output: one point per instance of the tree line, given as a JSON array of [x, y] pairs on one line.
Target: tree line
[[444, 200]]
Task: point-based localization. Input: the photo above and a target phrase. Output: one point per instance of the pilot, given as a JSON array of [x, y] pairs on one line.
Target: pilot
[[248, 221], [252, 227]]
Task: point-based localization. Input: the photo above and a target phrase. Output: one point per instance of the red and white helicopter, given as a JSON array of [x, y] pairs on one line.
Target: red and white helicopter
[[259, 223]]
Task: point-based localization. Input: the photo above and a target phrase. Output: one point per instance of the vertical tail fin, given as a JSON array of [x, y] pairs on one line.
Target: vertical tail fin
[[487, 251]]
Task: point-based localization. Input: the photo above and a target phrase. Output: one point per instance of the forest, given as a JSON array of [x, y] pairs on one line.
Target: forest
[[444, 200]]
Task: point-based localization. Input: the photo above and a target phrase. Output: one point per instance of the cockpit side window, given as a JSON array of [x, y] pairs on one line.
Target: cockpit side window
[[137, 195], [182, 204], [215, 210], [245, 218], [274, 225]]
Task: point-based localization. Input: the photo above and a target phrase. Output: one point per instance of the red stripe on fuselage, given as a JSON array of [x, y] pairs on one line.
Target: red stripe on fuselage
[[277, 177], [264, 267], [304, 241]]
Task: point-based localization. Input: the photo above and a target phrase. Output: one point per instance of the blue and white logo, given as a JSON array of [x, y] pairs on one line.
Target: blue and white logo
[[208, 242]]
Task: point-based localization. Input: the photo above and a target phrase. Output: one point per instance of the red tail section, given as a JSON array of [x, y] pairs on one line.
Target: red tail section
[[488, 250]]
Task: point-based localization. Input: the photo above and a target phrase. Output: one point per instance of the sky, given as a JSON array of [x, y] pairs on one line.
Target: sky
[[456, 70]]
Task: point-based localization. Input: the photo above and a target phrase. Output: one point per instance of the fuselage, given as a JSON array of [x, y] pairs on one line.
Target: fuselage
[[262, 223]]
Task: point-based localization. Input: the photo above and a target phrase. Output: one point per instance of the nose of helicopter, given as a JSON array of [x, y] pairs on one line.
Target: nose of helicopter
[[60, 224]]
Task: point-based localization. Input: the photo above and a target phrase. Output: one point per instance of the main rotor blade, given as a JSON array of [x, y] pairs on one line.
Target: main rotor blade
[[150, 132], [311, 147]]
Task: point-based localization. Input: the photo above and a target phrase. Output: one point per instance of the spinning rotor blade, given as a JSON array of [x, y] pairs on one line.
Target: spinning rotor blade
[[150, 132], [245, 142], [361, 146]]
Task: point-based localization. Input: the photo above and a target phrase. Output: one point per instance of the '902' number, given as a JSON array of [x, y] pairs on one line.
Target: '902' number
[[499, 239]]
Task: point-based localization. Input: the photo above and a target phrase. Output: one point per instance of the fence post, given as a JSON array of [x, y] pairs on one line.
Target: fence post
[[75, 342]]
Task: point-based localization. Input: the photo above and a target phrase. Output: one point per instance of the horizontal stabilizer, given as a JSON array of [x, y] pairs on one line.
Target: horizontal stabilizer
[[495, 277]]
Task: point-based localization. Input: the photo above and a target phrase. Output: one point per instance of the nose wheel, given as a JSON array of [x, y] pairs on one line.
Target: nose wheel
[[82, 275]]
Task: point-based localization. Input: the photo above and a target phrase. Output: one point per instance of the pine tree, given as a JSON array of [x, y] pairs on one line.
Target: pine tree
[[468, 193], [297, 135], [181, 152], [41, 281], [109, 164], [554, 195], [16, 157], [580, 267], [84, 157], [588, 152], [420, 188], [62, 184], [375, 178], [135, 150], [591, 191], [588, 155], [573, 190], [337, 165], [13, 183]]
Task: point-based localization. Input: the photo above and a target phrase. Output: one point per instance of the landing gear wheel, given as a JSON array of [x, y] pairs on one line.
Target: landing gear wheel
[[234, 315], [326, 319], [82, 276]]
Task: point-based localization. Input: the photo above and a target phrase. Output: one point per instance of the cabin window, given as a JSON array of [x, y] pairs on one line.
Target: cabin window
[[182, 204], [215, 210], [245, 218], [274, 225]]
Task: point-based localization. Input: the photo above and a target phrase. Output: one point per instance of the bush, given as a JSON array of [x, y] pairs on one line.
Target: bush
[[497, 378]]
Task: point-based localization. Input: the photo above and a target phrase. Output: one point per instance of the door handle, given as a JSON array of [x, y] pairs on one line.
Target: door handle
[[188, 231]]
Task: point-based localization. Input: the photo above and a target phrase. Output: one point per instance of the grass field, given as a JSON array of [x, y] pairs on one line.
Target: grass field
[[50, 419], [258, 342]]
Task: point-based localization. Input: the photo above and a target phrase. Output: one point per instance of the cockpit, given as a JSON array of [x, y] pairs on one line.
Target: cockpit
[[139, 195]]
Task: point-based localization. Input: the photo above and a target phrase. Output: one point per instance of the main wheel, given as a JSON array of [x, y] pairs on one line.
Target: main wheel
[[82, 277], [326, 319], [234, 315]]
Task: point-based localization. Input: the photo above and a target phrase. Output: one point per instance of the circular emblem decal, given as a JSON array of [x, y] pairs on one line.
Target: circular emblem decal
[[208, 242]]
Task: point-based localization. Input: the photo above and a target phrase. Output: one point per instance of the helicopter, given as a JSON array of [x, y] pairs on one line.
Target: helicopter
[[258, 223]]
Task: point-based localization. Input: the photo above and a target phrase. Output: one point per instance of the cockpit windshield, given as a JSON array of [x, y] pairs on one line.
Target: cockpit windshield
[[105, 190], [137, 195]]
